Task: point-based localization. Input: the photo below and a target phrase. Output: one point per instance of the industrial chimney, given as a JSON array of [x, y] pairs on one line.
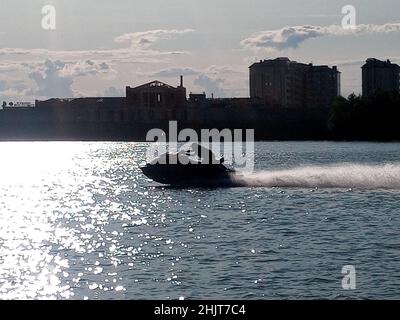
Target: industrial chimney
[[181, 81]]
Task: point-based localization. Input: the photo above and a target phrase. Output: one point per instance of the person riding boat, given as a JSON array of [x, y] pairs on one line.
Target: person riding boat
[[206, 155], [197, 166]]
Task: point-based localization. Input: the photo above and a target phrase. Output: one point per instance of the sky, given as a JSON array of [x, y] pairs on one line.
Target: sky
[[99, 47]]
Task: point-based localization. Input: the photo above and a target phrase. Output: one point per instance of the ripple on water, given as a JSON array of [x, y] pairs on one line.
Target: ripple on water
[[79, 221]]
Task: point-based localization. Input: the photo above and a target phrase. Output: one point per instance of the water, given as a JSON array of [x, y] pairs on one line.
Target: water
[[80, 221]]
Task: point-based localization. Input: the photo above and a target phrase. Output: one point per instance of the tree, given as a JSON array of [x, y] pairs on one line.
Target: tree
[[373, 117]]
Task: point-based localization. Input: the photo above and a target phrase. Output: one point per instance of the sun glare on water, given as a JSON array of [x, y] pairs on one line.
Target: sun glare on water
[[32, 175]]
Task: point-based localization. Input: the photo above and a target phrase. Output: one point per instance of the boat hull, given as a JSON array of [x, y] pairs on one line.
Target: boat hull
[[189, 175]]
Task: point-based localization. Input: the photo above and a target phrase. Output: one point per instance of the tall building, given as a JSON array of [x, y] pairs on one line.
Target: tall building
[[289, 84], [322, 86], [380, 75]]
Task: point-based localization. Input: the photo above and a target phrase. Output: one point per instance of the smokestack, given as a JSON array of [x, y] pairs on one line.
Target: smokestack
[[181, 81]]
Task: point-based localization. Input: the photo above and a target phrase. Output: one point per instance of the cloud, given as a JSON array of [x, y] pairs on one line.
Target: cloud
[[50, 80], [213, 70], [54, 78], [10, 66], [3, 85], [143, 40], [137, 49], [114, 92], [176, 72], [292, 37], [16, 86], [86, 67], [210, 85], [228, 70], [13, 90]]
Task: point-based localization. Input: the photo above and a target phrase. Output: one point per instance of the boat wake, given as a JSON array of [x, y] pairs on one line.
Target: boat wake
[[334, 176]]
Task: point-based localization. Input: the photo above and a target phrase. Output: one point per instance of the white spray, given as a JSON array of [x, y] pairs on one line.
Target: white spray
[[334, 176]]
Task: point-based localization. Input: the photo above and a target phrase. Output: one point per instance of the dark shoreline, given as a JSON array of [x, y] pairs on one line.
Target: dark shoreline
[[144, 141]]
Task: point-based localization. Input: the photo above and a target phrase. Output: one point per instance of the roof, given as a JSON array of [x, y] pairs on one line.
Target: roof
[[287, 61], [154, 83], [279, 59], [379, 63]]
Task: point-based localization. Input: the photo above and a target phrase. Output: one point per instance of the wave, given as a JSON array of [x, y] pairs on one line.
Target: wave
[[385, 176]]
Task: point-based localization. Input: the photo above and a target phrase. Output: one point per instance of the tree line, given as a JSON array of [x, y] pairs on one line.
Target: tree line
[[374, 117]]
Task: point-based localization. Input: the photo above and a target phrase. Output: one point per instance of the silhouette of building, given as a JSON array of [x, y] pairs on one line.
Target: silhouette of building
[[157, 101], [198, 98], [88, 109], [289, 84], [380, 75], [156, 94], [322, 86]]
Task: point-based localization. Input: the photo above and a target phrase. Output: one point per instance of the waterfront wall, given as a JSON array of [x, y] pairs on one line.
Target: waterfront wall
[[124, 124]]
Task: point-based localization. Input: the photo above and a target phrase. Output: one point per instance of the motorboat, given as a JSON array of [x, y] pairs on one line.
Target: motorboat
[[182, 171]]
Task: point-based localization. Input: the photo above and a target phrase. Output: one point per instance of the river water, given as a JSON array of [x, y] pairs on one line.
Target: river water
[[80, 221]]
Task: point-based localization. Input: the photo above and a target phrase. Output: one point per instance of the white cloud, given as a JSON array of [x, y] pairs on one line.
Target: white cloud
[[176, 72], [292, 37], [13, 90], [228, 70], [86, 67], [137, 49], [211, 85], [10, 66], [143, 40], [114, 92], [54, 78], [50, 80]]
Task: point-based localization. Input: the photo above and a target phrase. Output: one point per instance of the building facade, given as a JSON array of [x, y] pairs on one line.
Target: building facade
[[380, 75], [322, 86], [156, 94], [157, 101], [75, 110], [282, 83]]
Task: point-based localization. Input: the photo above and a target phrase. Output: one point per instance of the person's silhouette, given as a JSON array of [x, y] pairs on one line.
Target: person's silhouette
[[206, 155]]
